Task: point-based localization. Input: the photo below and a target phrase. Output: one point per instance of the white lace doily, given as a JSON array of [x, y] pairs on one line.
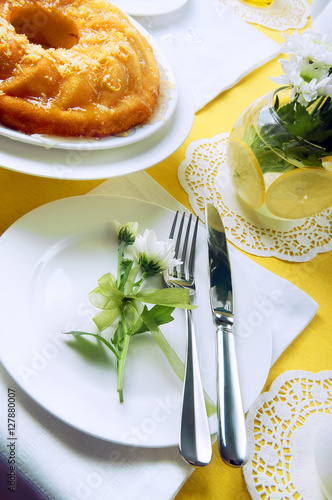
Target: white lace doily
[[205, 177], [281, 15], [282, 426]]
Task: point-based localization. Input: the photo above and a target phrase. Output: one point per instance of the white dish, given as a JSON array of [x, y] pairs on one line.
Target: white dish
[[148, 7], [102, 164], [163, 113], [52, 257]]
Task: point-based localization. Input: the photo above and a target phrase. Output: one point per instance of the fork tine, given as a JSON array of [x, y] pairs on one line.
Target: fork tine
[[173, 271], [193, 250], [184, 262], [171, 234], [178, 239], [185, 245]]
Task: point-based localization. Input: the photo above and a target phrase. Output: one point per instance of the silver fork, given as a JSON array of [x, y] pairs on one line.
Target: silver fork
[[195, 441]]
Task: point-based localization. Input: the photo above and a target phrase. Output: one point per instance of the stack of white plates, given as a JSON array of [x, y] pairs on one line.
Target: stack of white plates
[[139, 148]]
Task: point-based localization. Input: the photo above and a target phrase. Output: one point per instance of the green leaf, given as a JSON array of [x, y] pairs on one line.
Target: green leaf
[[267, 158], [173, 359], [171, 297], [99, 337], [297, 120], [161, 315], [319, 136], [250, 136]]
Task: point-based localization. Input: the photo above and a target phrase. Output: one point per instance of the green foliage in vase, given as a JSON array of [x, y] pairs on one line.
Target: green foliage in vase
[[299, 131]]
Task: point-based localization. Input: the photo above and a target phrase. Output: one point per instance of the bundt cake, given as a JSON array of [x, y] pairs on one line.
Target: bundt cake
[[73, 68]]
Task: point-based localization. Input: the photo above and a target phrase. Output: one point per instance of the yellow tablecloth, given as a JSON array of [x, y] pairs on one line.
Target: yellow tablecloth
[[312, 350]]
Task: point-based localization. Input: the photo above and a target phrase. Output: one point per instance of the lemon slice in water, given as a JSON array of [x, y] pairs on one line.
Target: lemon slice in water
[[327, 163], [300, 193], [246, 172]]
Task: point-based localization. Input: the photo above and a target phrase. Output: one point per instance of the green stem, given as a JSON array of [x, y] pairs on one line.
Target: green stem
[[120, 257], [124, 278], [318, 104], [122, 359], [139, 283]]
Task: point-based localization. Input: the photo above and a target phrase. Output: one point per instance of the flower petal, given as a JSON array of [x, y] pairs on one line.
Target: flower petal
[[154, 256]]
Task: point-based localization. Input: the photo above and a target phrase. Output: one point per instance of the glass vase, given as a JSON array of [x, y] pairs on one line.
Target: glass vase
[[274, 171]]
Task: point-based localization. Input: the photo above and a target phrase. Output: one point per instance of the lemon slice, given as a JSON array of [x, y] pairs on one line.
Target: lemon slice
[[327, 163], [246, 172], [300, 193]]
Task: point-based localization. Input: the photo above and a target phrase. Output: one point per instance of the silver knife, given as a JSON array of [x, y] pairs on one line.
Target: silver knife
[[232, 439]]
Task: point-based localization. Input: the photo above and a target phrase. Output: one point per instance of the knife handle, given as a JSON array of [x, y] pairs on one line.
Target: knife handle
[[232, 437], [195, 440]]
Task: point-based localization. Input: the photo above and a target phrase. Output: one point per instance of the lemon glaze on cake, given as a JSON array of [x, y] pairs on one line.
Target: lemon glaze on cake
[[73, 68]]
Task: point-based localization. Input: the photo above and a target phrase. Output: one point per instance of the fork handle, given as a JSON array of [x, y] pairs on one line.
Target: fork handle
[[195, 441], [232, 438]]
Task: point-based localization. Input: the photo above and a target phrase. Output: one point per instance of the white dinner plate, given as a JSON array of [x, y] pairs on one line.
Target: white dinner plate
[[87, 164], [148, 7], [165, 109], [52, 258]]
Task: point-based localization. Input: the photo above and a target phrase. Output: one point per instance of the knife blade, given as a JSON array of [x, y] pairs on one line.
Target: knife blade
[[232, 439]]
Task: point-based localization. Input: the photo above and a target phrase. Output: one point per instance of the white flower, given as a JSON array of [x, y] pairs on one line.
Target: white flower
[[307, 92], [314, 46], [126, 232], [323, 80], [152, 255], [291, 70], [308, 70]]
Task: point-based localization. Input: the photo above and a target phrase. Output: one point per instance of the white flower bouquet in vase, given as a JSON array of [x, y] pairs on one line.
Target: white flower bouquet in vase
[[280, 149]]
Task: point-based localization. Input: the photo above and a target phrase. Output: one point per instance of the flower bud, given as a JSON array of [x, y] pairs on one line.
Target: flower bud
[[127, 232]]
